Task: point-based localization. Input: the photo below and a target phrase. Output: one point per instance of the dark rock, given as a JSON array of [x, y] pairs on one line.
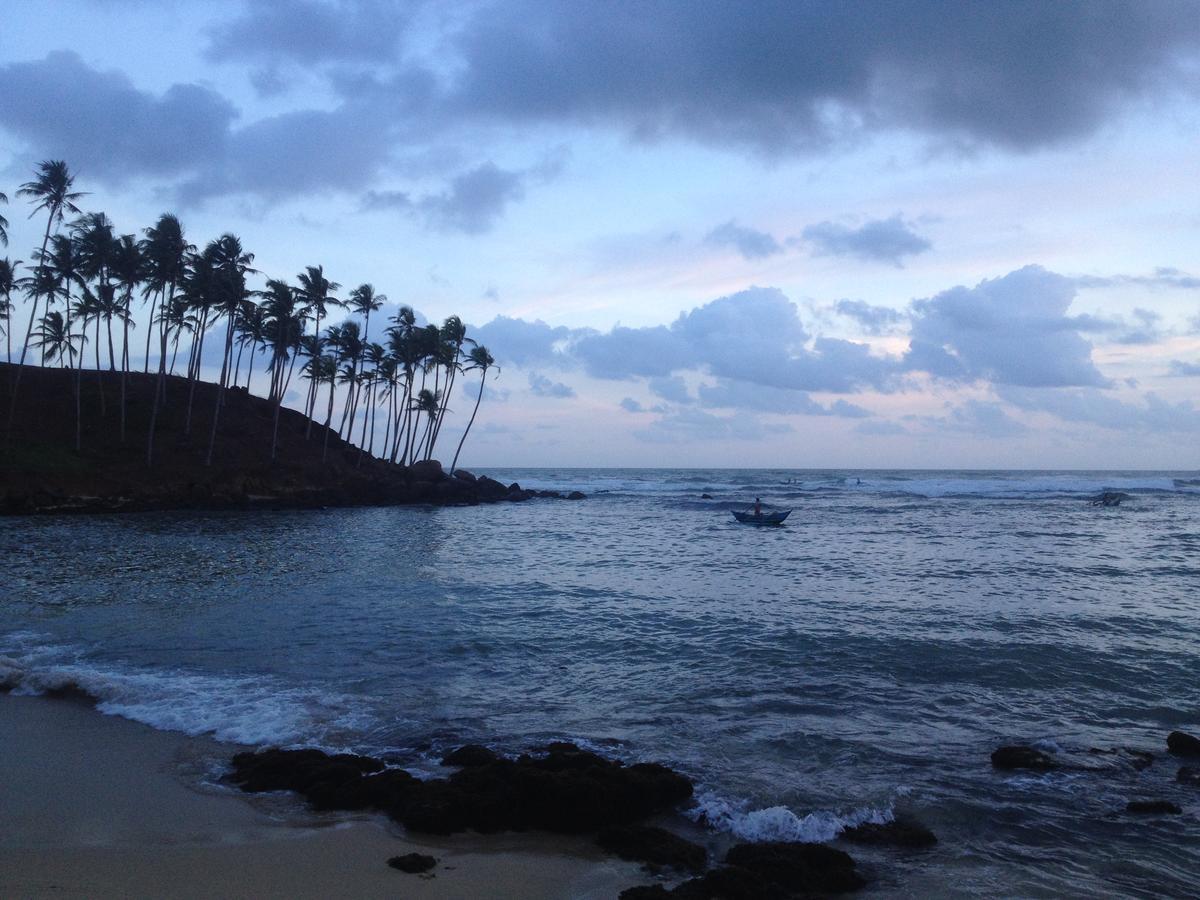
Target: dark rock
[[656, 846], [897, 833], [1182, 744], [1153, 806], [470, 755], [807, 868], [577, 495], [519, 495], [1021, 756], [731, 883], [566, 790], [549, 495], [427, 470], [644, 892], [1188, 775], [413, 863], [464, 475], [706, 496]]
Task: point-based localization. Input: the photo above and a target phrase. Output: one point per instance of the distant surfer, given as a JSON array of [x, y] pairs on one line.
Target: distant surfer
[[757, 507]]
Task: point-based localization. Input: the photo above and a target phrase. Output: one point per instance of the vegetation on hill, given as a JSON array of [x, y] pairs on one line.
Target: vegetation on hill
[[80, 290]]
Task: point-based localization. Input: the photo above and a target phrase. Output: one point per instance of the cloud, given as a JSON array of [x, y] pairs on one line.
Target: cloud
[[1180, 369], [874, 320], [881, 428], [541, 386], [1094, 407], [750, 244], [630, 405], [491, 394], [104, 126], [475, 200], [985, 418], [1010, 330], [307, 32], [673, 389], [883, 240], [520, 342], [730, 394], [379, 201], [1162, 277]]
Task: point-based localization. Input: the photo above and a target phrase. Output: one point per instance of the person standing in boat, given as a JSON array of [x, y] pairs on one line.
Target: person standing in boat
[[757, 507]]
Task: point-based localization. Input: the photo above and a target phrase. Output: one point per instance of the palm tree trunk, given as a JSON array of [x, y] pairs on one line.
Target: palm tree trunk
[[470, 422], [212, 436], [149, 331], [12, 405]]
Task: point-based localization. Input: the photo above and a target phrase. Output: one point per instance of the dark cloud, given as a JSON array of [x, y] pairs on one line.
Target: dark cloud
[[309, 32], [795, 75], [104, 126], [541, 386], [1179, 369], [873, 319], [1011, 330], [474, 200], [749, 243], [883, 240]]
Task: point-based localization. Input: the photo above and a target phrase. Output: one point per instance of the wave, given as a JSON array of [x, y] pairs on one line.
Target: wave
[[778, 823], [252, 710]]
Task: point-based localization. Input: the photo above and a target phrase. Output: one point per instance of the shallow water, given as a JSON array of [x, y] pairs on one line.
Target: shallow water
[[863, 659]]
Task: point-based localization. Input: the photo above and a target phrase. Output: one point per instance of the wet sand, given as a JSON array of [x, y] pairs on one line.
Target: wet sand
[[97, 806]]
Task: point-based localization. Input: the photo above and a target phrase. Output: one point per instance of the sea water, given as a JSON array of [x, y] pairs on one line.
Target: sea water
[[861, 661]]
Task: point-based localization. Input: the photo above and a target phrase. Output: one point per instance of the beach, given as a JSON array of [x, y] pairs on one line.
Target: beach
[[98, 806]]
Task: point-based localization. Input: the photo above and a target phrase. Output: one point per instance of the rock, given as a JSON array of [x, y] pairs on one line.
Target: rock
[[1183, 744], [470, 755], [1153, 806], [897, 833], [427, 470], [796, 867], [490, 488], [644, 892], [1021, 756], [413, 863], [577, 495], [1138, 759], [1188, 775], [464, 475], [549, 495], [656, 846], [517, 494], [706, 496], [566, 790]]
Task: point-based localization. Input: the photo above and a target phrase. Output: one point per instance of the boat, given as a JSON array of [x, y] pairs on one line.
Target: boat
[[766, 518]]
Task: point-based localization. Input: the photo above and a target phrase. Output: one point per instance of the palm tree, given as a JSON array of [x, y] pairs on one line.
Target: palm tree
[[249, 329], [451, 337], [54, 339], [283, 329], [128, 268], [3, 222], [231, 264], [477, 358], [8, 281], [165, 251], [49, 191], [316, 293]]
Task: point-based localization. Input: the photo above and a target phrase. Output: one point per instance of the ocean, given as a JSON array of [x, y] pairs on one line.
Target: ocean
[[860, 662]]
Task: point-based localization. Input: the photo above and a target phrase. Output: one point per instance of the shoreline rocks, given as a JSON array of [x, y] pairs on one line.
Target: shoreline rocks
[[1183, 744]]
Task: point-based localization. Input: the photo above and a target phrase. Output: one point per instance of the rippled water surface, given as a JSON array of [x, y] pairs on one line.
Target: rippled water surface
[[865, 658]]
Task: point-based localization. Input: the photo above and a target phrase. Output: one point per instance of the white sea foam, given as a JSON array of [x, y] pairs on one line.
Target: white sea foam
[[241, 709], [778, 823]]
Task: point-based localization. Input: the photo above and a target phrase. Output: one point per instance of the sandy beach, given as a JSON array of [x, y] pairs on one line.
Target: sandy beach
[[98, 806]]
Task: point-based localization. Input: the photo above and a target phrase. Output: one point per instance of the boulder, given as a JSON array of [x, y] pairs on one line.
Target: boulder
[[427, 470], [796, 867], [577, 495], [897, 833], [464, 475], [656, 846], [490, 488], [1022, 756], [1153, 806], [413, 863], [1182, 744], [517, 494], [1188, 775]]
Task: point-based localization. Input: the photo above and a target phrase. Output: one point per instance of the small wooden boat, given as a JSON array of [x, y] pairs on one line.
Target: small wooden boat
[[763, 518]]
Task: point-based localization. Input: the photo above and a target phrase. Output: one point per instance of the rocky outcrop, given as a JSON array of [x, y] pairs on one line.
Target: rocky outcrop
[[654, 846], [413, 863], [1183, 744], [1153, 807], [564, 789]]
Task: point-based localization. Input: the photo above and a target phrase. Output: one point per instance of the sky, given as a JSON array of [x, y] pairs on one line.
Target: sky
[[793, 234]]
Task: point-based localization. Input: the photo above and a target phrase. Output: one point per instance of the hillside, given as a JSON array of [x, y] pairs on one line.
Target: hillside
[[40, 471]]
